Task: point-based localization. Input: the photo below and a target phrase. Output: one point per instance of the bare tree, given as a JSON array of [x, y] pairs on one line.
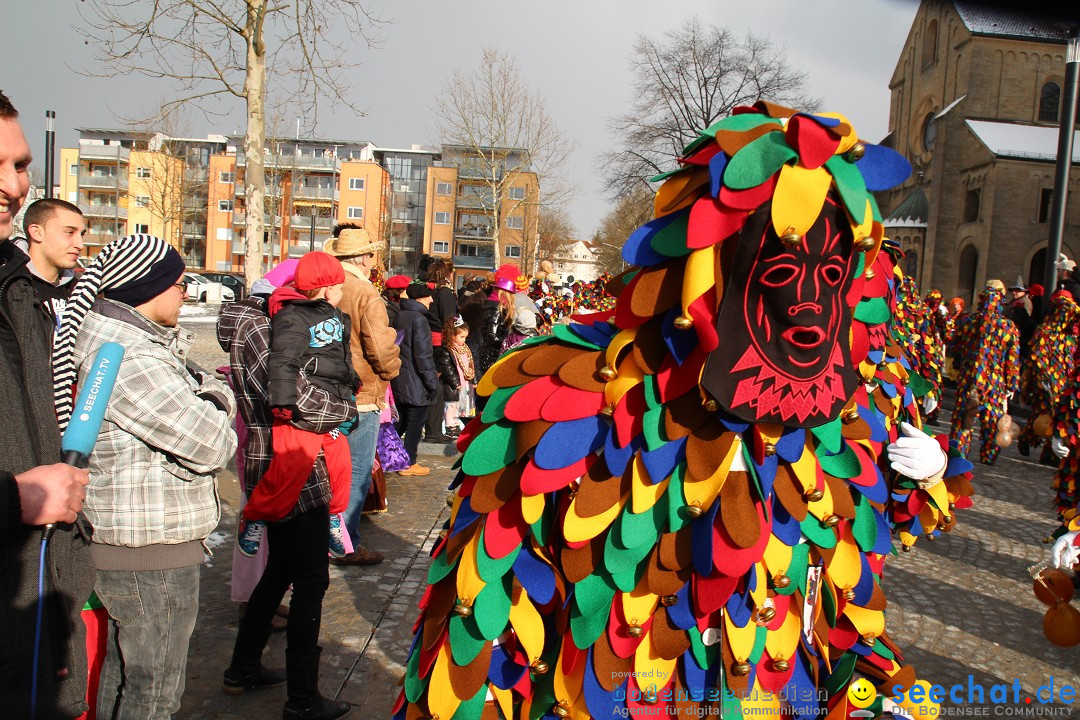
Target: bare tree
[[213, 49], [630, 213], [556, 233], [500, 127], [685, 82]]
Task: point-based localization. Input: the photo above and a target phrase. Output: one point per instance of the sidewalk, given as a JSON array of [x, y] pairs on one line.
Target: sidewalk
[[367, 614]]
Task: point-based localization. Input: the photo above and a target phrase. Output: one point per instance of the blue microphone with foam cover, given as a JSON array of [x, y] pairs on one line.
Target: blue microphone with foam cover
[[82, 430]]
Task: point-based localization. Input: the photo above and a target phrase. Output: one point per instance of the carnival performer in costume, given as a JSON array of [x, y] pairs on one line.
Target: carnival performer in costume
[[935, 303], [1048, 368], [913, 327], [691, 495], [987, 349]]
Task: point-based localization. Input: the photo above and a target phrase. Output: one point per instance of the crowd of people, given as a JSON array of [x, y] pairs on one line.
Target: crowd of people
[[336, 374]]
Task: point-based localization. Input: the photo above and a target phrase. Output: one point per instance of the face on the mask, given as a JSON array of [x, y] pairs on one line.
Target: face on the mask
[[784, 323]]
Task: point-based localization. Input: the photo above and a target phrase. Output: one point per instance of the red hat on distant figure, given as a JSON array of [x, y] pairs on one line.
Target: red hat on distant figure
[[317, 270], [398, 282], [1036, 290]]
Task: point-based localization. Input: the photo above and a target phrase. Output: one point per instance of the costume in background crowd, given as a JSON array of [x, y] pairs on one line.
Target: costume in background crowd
[[1067, 429], [557, 301], [1049, 366], [939, 315], [690, 493], [987, 351], [913, 327]]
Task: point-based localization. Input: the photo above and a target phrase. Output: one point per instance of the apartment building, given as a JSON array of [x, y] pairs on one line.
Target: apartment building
[[483, 208]]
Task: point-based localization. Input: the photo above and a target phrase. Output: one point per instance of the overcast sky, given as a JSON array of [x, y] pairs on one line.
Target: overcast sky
[[574, 51]]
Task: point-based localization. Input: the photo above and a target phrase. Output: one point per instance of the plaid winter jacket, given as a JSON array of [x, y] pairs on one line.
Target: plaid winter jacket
[[152, 470]]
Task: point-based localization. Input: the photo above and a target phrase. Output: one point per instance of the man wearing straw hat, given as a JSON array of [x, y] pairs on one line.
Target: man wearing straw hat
[[375, 357]]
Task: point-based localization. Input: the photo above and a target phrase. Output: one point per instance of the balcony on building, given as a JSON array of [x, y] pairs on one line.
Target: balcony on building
[[103, 182], [102, 210], [104, 152], [196, 175], [303, 222], [475, 232], [93, 239], [294, 162], [303, 192]]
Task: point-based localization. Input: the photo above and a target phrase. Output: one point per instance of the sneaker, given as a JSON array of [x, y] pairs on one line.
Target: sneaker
[[337, 542], [249, 536], [360, 556], [414, 469]]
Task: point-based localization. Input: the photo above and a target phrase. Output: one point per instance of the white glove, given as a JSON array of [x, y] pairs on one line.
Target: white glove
[[1064, 553], [917, 455], [943, 310], [929, 404], [1057, 444]]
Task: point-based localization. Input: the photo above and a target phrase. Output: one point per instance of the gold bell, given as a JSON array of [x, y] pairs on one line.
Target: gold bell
[[848, 593], [770, 449], [868, 639], [607, 410], [669, 600], [740, 669], [683, 322], [781, 665], [649, 698], [865, 244], [929, 537], [635, 630], [766, 614], [780, 580], [791, 238], [815, 495], [870, 274], [463, 608], [831, 521], [611, 320], [849, 416], [1048, 539], [443, 534], [560, 708], [539, 667], [607, 373], [450, 500], [905, 548], [952, 506], [947, 519], [883, 365], [694, 511], [712, 405], [856, 152]]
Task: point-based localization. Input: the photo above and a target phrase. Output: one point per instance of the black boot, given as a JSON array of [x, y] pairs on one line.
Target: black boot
[[305, 702], [246, 672]]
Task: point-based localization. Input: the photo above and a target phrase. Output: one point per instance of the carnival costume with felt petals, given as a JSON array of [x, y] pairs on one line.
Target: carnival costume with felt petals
[[914, 328], [988, 363], [631, 530], [1049, 365], [1066, 428]]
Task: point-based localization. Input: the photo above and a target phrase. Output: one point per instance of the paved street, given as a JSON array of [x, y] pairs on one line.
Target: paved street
[[960, 606]]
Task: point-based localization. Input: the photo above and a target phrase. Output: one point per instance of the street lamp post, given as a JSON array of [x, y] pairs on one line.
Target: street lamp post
[[1064, 163]]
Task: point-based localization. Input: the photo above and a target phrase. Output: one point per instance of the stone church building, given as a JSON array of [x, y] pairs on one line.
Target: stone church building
[[976, 102]]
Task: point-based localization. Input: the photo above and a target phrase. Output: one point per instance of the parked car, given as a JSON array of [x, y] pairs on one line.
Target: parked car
[[198, 288], [233, 281]]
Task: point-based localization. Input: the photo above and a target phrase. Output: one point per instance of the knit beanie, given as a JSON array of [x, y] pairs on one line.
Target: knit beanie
[[125, 270], [318, 270], [156, 279]]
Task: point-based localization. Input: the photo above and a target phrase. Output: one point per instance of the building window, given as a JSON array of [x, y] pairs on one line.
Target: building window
[[929, 132], [142, 201], [355, 213], [442, 218], [469, 250], [73, 169], [224, 205], [143, 173], [142, 229], [444, 188], [227, 177], [440, 246], [971, 206], [516, 193], [965, 276], [515, 222], [356, 183], [512, 251], [930, 42], [1049, 102], [1046, 196]]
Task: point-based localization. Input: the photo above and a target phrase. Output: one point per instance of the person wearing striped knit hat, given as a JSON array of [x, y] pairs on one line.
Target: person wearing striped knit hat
[[152, 496]]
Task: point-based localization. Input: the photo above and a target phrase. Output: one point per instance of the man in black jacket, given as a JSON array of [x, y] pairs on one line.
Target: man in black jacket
[[54, 235], [33, 490], [417, 384]]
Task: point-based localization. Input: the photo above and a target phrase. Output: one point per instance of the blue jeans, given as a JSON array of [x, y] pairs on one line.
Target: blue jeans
[[152, 615], [362, 451]]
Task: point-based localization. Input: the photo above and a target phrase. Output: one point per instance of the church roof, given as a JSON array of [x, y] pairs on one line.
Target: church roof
[[912, 212], [1038, 23], [1024, 142]]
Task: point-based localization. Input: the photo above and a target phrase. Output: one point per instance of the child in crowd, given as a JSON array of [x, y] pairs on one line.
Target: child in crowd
[[311, 384], [454, 362]]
